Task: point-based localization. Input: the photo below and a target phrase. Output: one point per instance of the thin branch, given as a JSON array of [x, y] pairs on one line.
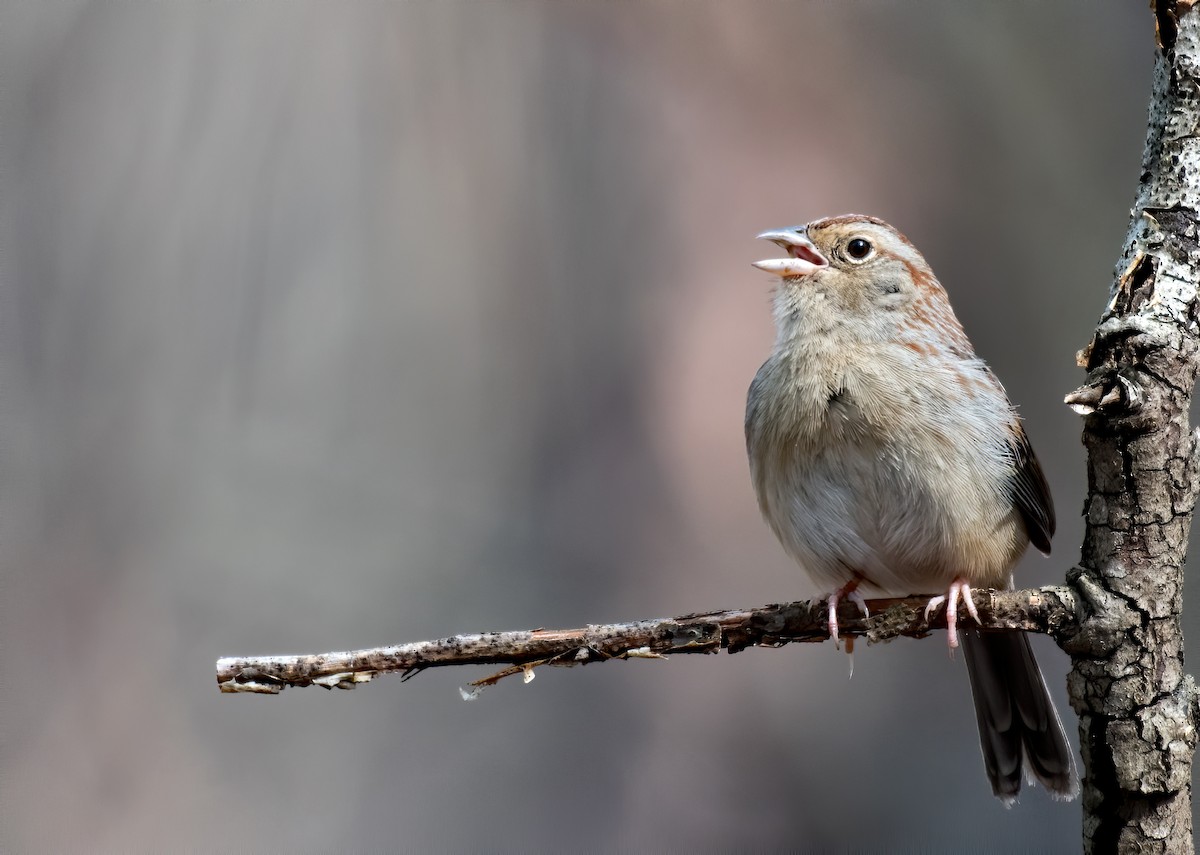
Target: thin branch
[[1050, 610]]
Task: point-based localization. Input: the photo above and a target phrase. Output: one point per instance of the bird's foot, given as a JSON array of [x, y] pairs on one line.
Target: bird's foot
[[959, 590], [849, 592]]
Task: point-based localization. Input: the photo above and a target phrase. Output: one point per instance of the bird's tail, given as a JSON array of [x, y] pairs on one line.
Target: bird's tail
[[1018, 724]]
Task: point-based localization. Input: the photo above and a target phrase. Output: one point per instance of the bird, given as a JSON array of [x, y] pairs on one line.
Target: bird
[[886, 456]]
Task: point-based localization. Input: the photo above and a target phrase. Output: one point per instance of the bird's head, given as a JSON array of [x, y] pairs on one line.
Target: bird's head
[[854, 275]]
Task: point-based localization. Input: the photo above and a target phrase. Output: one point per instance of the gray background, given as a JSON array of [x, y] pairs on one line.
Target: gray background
[[334, 325]]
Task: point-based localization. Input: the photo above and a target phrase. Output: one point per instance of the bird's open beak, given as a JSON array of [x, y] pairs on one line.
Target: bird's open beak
[[803, 258]]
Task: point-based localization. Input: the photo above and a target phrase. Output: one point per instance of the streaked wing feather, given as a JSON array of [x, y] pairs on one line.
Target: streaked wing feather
[[1029, 491]]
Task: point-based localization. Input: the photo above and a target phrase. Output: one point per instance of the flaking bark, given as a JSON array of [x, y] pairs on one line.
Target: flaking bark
[[1136, 704]]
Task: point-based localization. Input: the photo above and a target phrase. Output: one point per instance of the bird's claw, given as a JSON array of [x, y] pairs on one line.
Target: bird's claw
[[848, 591], [959, 590]]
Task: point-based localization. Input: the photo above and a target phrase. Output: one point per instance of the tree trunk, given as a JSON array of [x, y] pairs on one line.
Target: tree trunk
[[1135, 703]]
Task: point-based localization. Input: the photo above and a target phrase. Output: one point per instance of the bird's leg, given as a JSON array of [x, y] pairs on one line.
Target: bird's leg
[[959, 589], [849, 592]]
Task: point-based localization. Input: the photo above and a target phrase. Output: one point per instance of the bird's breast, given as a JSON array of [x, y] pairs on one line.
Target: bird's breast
[[860, 473]]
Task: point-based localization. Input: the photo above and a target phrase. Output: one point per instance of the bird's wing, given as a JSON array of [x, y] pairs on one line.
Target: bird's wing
[[1029, 491]]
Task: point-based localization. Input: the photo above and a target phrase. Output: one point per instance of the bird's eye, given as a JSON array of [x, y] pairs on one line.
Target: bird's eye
[[858, 249]]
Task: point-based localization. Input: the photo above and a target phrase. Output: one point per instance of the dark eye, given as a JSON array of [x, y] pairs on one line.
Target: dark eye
[[858, 249]]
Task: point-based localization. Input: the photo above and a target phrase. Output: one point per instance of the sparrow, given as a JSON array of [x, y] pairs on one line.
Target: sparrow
[[886, 456]]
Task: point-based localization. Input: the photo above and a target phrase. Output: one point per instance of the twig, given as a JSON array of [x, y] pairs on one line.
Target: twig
[[1050, 610]]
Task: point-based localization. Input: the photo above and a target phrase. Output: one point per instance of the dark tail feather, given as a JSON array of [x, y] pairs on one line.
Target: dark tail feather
[[1018, 724]]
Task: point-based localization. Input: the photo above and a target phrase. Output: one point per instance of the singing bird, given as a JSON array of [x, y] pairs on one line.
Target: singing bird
[[886, 456]]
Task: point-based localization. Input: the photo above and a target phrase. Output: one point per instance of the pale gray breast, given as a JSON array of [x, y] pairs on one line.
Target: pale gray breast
[[849, 493]]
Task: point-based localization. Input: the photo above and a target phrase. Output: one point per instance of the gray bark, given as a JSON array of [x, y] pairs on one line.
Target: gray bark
[[1136, 704]]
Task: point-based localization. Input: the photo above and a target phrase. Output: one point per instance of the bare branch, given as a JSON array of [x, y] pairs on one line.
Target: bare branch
[[1050, 610]]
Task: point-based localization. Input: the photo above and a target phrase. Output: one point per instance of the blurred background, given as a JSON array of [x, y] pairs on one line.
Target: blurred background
[[331, 326]]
